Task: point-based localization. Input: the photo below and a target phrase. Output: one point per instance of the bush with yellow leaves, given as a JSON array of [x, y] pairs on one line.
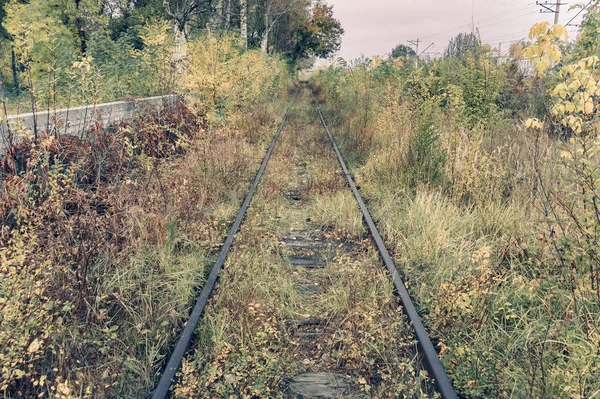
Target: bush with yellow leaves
[[224, 77]]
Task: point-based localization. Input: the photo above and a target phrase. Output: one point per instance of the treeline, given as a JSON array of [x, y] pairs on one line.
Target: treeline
[[45, 45]]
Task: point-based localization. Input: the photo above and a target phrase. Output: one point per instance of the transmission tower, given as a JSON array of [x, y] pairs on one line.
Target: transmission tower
[[551, 7]]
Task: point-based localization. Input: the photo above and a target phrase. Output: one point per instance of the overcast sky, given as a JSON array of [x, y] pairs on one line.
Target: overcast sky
[[374, 27]]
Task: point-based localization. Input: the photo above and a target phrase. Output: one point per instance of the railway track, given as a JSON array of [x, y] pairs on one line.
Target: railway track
[[322, 274]]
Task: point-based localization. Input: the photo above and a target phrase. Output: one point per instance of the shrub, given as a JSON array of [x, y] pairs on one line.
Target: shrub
[[425, 160]]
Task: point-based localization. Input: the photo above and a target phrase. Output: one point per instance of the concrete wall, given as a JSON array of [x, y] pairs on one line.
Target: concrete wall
[[77, 121]]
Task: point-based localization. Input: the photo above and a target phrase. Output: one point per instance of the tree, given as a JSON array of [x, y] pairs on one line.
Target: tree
[[181, 11], [43, 37], [244, 21], [319, 35], [402, 50], [588, 42], [327, 30], [275, 11], [3, 33], [464, 45]]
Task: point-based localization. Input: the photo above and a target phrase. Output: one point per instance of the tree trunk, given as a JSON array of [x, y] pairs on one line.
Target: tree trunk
[[79, 24], [244, 22], [180, 43], [264, 43], [227, 15], [15, 73], [216, 19]]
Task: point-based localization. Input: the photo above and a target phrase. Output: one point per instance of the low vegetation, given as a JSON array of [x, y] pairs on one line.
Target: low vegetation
[[483, 177], [251, 341], [105, 241], [489, 202]]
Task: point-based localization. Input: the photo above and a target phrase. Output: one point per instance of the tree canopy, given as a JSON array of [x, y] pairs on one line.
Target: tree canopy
[[47, 35], [463, 45], [402, 50]]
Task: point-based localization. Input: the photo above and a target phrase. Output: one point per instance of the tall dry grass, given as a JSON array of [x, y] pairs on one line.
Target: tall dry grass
[[485, 247], [105, 242]]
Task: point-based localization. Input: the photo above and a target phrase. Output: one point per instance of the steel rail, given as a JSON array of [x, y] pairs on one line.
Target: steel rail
[[434, 365], [162, 389]]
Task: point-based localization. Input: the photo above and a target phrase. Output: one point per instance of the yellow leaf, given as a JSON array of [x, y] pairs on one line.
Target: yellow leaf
[[561, 90], [574, 85], [559, 30], [589, 108], [538, 30], [565, 155], [34, 346], [541, 66], [534, 123], [590, 85], [591, 61], [569, 69], [558, 109]]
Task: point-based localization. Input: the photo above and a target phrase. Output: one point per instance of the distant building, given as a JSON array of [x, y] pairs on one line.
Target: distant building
[[526, 67]]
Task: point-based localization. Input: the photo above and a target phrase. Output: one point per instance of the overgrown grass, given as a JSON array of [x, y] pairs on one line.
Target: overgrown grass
[[105, 242], [475, 235], [247, 344]]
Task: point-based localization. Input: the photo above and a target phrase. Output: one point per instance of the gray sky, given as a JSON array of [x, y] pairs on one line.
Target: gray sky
[[374, 27]]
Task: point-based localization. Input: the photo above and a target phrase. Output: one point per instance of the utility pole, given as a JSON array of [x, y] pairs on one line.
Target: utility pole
[[547, 8], [416, 44]]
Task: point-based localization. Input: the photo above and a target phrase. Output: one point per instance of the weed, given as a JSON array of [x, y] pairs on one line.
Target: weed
[[490, 231], [106, 240]]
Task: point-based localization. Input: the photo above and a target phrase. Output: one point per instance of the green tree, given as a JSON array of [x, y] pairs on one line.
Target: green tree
[[319, 35], [402, 50], [464, 45], [588, 41], [42, 38]]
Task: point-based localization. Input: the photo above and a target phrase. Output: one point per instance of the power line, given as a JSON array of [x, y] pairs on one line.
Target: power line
[[512, 18], [416, 43], [509, 35], [580, 11], [506, 16], [499, 19], [515, 11], [488, 19], [425, 49], [514, 37]]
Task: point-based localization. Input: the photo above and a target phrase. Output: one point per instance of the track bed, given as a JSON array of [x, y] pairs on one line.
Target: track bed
[[303, 307]]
